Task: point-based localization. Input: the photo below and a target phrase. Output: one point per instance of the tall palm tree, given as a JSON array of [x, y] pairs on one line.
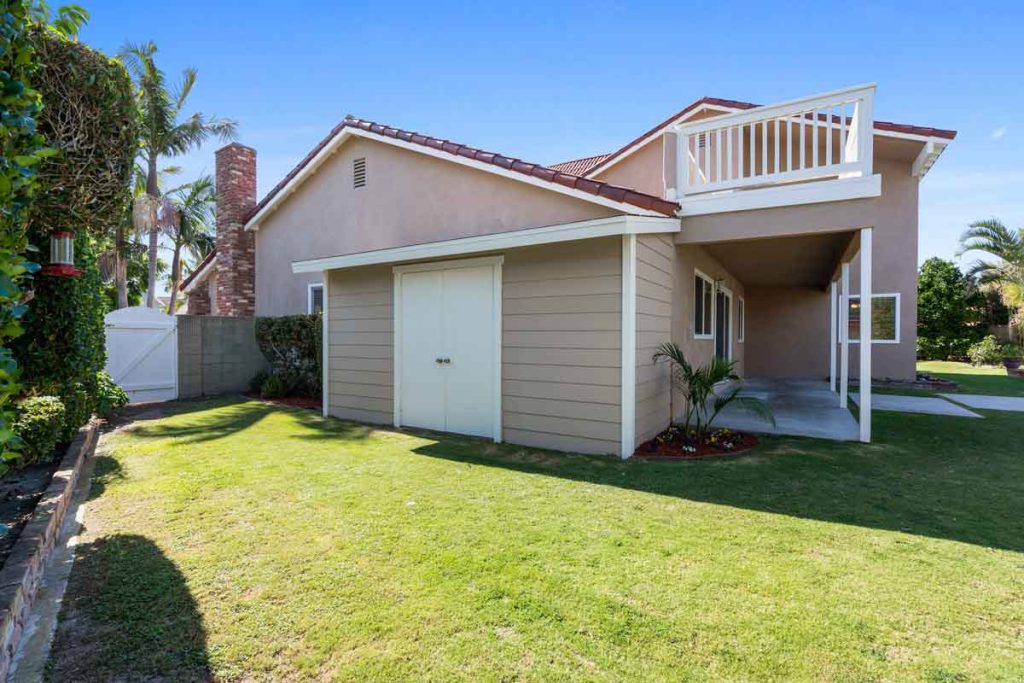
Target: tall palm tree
[[162, 134], [192, 229], [1007, 271]]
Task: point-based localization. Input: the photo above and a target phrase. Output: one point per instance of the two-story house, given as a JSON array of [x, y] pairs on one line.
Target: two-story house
[[471, 292]]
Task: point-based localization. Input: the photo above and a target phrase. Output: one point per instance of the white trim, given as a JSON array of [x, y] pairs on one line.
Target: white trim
[[881, 295], [495, 262], [833, 329], [926, 158], [200, 277], [325, 347], [817, 192], [741, 320], [714, 328], [309, 296], [865, 334], [697, 272], [844, 335], [628, 379], [351, 131], [599, 227]]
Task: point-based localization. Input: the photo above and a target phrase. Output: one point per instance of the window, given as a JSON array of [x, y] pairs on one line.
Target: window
[[703, 306], [315, 302], [359, 172], [741, 320], [885, 319]]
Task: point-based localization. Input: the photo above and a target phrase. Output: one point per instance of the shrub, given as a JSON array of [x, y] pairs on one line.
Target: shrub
[[40, 425], [292, 345], [256, 383], [1012, 351], [985, 352], [111, 396]]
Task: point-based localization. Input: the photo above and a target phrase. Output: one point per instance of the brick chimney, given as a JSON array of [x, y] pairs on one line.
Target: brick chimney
[[236, 248]]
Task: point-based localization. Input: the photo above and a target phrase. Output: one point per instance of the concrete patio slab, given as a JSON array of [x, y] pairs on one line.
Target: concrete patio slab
[[801, 408], [1008, 403], [916, 404]]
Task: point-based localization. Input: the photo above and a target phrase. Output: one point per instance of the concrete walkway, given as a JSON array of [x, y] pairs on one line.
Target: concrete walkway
[[916, 404], [1008, 403], [801, 407]]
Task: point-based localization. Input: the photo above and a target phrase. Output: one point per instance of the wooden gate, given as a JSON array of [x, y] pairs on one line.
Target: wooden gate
[[142, 353]]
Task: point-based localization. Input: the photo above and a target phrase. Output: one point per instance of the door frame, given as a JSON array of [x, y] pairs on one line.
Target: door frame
[[728, 294], [495, 262]]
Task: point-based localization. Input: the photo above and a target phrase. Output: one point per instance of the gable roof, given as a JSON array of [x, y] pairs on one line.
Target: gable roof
[[622, 198], [737, 105], [199, 273], [579, 166]]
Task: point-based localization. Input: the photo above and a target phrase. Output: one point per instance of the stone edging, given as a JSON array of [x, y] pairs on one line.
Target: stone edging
[[23, 571]]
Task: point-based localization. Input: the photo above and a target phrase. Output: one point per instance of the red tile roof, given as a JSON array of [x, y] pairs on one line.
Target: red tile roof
[[736, 104], [579, 166], [198, 269], [551, 175]]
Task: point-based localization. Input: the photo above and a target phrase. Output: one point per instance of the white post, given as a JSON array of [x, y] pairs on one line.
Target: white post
[[832, 336], [844, 335], [628, 370], [865, 335], [325, 344]]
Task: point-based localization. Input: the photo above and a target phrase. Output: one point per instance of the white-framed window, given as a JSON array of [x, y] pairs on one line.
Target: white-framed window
[[885, 318], [703, 306], [741, 319], [315, 298]]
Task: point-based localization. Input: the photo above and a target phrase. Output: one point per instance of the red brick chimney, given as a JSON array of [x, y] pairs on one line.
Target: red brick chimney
[[236, 247]]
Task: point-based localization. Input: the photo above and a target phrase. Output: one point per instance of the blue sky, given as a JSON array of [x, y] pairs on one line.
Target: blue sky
[[552, 81]]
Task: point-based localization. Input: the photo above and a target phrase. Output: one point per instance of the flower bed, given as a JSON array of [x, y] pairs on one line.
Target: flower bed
[[676, 444]]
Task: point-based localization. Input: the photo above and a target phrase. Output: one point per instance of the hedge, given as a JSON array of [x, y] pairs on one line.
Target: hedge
[[292, 345]]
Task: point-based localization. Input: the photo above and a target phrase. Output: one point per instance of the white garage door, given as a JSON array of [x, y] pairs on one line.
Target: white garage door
[[447, 341], [142, 353]]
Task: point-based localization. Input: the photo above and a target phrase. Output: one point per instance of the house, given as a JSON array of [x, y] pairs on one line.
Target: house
[[472, 292]]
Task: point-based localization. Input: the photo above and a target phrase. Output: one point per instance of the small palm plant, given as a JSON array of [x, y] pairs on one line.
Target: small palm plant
[[697, 385]]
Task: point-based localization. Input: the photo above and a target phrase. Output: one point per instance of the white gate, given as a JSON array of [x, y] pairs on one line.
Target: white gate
[[142, 353]]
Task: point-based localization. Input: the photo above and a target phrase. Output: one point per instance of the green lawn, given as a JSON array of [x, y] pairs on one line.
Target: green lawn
[[239, 541], [975, 380]]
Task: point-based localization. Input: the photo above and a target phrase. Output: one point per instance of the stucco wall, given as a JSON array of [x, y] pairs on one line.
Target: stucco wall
[[561, 342], [409, 198]]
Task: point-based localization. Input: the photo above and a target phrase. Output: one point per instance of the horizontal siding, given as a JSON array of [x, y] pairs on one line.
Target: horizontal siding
[[561, 346], [654, 272], [360, 362]]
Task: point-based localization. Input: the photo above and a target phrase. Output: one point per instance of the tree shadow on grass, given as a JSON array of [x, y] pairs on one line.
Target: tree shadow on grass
[[939, 477], [127, 615]]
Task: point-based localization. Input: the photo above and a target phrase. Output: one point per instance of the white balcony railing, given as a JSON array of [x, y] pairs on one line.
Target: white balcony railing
[[812, 138]]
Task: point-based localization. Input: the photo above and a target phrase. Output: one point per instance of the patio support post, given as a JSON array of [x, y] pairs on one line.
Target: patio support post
[[844, 335], [832, 336], [865, 335], [325, 345]]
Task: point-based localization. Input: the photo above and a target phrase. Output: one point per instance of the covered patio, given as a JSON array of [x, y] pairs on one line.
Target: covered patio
[[802, 407]]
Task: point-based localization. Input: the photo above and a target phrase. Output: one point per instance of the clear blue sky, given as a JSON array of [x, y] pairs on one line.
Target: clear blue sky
[[556, 80]]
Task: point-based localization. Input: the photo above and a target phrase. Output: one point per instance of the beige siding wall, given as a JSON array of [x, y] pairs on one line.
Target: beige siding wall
[[360, 343], [562, 318], [655, 282]]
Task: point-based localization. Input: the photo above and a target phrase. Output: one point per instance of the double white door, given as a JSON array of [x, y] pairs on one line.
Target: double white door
[[448, 331]]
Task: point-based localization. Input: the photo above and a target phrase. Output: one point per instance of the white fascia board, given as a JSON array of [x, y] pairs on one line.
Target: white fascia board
[[347, 132], [200, 276], [567, 232], [818, 192]]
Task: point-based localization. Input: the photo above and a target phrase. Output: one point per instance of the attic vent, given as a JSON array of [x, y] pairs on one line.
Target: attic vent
[[702, 140], [359, 172]]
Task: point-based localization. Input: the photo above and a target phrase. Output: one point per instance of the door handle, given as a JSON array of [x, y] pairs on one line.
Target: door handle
[[439, 360], [447, 361]]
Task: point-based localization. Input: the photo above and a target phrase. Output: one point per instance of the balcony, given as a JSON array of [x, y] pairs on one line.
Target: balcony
[[812, 149]]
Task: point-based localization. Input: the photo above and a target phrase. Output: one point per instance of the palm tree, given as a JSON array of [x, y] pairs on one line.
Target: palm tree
[[192, 229], [1007, 271], [163, 135], [705, 393]]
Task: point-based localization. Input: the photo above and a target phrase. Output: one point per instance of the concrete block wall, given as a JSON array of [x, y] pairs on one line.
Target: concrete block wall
[[216, 355]]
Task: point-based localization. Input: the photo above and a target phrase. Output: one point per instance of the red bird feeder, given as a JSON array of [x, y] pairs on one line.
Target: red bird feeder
[[62, 255]]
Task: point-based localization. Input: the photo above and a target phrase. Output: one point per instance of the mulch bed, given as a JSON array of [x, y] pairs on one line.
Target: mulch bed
[[20, 491], [672, 446]]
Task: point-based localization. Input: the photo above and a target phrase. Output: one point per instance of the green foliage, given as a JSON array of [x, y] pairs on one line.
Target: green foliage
[[63, 351], [986, 352], [704, 399], [40, 425], [110, 396], [949, 311], [21, 150], [278, 385], [1011, 351], [292, 345]]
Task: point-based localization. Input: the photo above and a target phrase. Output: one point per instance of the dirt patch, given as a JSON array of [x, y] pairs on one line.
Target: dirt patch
[[292, 402], [20, 492]]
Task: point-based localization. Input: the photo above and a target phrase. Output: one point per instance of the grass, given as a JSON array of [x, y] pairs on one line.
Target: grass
[[238, 541], [973, 379]]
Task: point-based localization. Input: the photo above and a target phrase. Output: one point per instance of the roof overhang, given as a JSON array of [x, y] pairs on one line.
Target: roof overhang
[[528, 237], [199, 276], [349, 132]]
